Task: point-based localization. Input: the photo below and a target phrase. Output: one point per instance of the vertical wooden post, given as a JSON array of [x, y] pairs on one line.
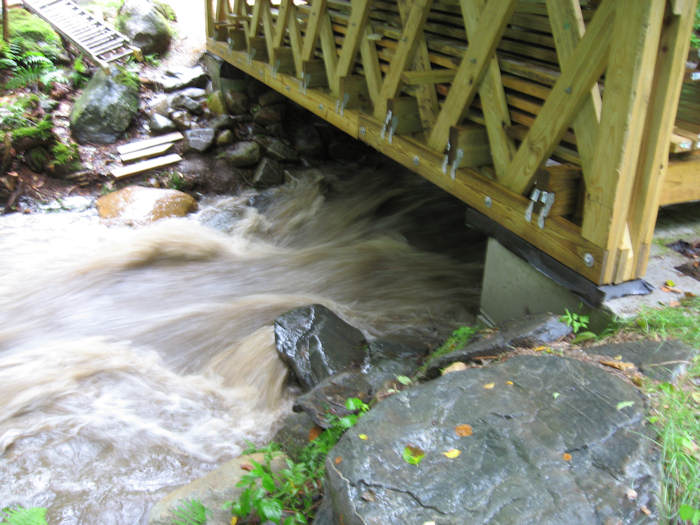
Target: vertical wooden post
[[663, 104], [628, 81]]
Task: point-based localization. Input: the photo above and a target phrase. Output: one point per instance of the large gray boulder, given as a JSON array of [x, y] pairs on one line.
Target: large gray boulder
[[316, 344], [532, 440], [144, 24], [104, 110]]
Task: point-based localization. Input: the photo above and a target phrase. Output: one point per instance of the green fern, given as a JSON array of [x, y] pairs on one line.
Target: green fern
[[22, 516], [190, 512]]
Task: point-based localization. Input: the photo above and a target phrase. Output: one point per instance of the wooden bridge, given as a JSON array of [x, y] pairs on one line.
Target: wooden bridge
[[554, 118]]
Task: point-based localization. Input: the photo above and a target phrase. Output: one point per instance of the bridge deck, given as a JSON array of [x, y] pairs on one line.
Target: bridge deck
[[98, 41], [554, 118]]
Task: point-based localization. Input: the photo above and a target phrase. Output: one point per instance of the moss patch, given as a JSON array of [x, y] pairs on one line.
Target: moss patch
[[34, 35]]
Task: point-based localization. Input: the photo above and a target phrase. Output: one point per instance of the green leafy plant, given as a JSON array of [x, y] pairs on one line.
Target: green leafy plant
[[190, 512], [80, 73], [412, 455], [574, 320], [680, 322], [175, 180], [64, 154], [675, 417], [22, 516], [458, 339], [128, 77], [289, 496]]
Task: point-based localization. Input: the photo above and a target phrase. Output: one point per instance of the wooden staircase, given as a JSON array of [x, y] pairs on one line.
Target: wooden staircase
[[97, 40]]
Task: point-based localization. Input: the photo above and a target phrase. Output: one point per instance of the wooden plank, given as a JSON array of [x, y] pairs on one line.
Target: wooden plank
[[470, 145], [434, 76], [628, 82], [404, 54], [370, 65], [492, 95], [568, 29], [425, 93], [281, 24], [471, 70], [140, 167], [268, 27], [147, 143], [295, 41], [147, 152], [313, 24], [583, 69], [328, 50], [654, 185], [351, 44], [681, 183]]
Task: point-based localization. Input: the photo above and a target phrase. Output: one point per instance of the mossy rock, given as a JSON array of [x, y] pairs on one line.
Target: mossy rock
[[37, 158], [34, 35], [145, 25]]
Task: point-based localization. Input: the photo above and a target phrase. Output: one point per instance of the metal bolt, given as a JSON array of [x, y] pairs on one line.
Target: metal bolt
[[488, 202], [588, 259], [416, 160], [362, 131], [320, 106]]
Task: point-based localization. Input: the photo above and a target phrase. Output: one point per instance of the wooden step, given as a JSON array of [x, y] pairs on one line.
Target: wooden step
[[140, 167]]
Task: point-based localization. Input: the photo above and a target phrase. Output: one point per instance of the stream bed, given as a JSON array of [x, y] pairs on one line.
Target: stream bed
[[136, 358]]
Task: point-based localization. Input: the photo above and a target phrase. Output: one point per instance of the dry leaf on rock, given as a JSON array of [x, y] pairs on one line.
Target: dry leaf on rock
[[463, 430]]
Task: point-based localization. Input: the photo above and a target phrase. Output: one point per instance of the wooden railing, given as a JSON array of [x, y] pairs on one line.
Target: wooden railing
[[554, 118]]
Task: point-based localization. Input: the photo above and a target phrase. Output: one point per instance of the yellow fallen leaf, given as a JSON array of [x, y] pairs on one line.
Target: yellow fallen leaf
[[539, 348], [566, 456], [452, 453], [363, 437], [457, 366], [315, 432], [489, 386], [463, 430], [645, 510], [234, 520], [509, 382], [337, 460], [696, 397], [620, 365]]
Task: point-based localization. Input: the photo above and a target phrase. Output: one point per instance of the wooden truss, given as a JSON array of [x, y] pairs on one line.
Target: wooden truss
[[554, 118]]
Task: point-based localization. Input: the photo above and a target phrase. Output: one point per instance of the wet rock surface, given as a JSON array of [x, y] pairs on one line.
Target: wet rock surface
[[529, 456], [104, 110], [200, 139], [316, 344], [241, 154], [183, 77], [143, 23], [268, 173], [660, 360], [526, 332], [140, 205]]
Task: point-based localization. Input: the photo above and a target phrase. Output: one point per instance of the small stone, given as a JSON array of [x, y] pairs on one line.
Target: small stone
[[194, 93], [160, 124], [160, 104], [270, 97], [279, 150], [216, 103], [307, 140], [241, 154], [268, 173], [200, 139], [236, 102], [181, 78], [183, 121], [180, 101], [269, 115], [224, 138]]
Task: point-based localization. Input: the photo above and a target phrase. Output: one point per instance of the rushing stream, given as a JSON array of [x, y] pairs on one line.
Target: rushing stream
[[135, 359]]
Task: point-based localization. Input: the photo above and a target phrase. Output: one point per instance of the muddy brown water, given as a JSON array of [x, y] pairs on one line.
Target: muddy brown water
[[134, 359]]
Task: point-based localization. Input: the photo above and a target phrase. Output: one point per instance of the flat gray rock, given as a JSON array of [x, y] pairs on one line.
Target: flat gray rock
[[527, 332], [660, 360], [200, 139], [550, 448]]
